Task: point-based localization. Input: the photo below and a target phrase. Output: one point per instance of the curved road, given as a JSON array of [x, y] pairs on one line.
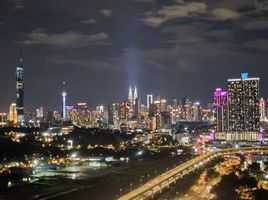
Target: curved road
[[163, 181]]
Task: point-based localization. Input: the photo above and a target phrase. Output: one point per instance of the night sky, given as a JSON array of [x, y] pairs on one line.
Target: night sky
[[171, 48]]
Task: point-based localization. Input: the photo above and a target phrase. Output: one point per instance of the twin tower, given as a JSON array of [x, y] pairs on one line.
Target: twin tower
[[132, 96]]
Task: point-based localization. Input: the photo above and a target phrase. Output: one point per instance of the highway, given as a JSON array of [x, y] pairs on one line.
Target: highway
[[159, 183]]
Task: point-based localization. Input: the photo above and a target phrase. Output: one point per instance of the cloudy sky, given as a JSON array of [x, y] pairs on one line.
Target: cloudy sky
[[171, 48]]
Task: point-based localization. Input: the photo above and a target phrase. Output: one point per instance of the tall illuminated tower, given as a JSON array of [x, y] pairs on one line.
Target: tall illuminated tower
[[244, 109], [64, 94], [130, 96], [135, 95], [20, 92]]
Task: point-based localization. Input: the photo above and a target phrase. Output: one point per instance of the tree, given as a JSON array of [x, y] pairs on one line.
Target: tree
[[255, 167], [225, 190], [249, 182]]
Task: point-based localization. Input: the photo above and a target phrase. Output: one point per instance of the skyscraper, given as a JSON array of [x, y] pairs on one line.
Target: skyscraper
[[20, 92], [124, 112], [163, 105], [50, 118], [13, 116], [186, 109], [113, 113], [262, 110], [135, 95], [196, 112], [80, 115], [130, 96], [64, 94], [157, 112], [40, 112], [137, 107], [221, 108], [175, 111], [244, 109], [150, 100]]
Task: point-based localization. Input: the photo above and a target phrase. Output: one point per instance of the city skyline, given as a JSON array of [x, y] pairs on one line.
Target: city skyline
[[98, 53], [134, 99], [132, 94]]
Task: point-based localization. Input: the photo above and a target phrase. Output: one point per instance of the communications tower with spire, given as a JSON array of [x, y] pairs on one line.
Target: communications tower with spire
[[64, 94]]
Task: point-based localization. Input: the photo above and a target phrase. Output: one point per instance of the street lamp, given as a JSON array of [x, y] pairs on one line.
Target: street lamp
[[140, 181], [130, 186], [120, 192]]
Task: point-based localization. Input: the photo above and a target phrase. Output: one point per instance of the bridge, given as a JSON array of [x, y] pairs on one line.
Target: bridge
[[159, 183]]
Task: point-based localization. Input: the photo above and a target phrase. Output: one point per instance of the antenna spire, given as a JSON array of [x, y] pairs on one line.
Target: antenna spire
[[64, 85], [20, 56]]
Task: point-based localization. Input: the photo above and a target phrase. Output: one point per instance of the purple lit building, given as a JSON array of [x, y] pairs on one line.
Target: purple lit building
[[221, 108], [238, 110]]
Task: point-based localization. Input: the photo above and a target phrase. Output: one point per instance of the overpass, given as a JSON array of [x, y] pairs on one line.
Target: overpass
[[163, 181]]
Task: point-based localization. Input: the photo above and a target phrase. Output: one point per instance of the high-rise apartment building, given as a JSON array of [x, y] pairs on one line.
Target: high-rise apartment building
[[79, 115], [244, 109], [124, 112], [262, 110], [221, 109]]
